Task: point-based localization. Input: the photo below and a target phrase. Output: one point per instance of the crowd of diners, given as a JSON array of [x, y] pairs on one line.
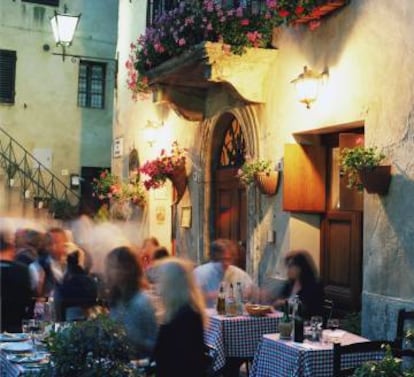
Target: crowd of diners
[[160, 300]]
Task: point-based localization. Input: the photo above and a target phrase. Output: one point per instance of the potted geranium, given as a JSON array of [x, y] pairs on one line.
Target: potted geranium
[[120, 194], [167, 166], [261, 173], [363, 170]]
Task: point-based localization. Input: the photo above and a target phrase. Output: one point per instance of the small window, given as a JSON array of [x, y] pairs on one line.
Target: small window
[[91, 87], [54, 3], [7, 76]]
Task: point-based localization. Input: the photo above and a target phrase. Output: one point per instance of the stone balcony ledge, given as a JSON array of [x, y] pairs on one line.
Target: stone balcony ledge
[[185, 81]]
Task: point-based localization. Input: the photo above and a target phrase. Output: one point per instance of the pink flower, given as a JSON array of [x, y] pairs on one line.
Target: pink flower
[[299, 10], [209, 26], [239, 12], [181, 42], [271, 4], [244, 22], [314, 25], [283, 13]]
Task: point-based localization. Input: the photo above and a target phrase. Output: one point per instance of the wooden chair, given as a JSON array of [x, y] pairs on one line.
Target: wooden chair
[[403, 316], [364, 347], [327, 308]]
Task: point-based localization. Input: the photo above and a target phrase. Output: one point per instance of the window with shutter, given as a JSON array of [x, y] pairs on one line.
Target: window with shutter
[[7, 75], [54, 3], [91, 84]]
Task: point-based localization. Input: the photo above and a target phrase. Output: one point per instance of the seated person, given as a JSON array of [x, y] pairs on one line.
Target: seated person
[[220, 269], [128, 303], [16, 293], [304, 282], [78, 291], [151, 272]]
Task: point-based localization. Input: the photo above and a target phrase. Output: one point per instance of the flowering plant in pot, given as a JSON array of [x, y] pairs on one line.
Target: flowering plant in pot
[[167, 166], [261, 173], [192, 22], [362, 168]]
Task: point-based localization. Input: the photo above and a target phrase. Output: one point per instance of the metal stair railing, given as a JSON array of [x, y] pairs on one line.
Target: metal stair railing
[[37, 182]]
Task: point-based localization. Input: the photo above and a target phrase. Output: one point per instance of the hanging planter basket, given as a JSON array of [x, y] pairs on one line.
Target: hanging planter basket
[[179, 180], [267, 183], [376, 180]]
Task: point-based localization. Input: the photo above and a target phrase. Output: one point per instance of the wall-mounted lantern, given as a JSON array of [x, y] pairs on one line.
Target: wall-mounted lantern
[[151, 132], [307, 85], [64, 26]]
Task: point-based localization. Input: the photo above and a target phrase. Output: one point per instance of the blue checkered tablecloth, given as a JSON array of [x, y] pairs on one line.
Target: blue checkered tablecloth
[[237, 336], [275, 357], [9, 369]]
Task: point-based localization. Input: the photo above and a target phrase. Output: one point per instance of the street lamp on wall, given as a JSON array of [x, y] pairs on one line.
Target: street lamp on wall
[[64, 26], [308, 84]]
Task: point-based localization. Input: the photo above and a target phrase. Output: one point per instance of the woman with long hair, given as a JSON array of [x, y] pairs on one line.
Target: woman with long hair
[[128, 303], [180, 345], [303, 281]]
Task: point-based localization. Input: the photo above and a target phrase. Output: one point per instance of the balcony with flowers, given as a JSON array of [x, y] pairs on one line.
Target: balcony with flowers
[[195, 46]]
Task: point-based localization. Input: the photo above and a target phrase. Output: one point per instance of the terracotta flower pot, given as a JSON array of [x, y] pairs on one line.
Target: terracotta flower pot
[[376, 180], [179, 180], [267, 182]]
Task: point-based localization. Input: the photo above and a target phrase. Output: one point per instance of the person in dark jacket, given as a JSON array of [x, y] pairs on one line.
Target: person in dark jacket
[[302, 281], [78, 290], [179, 350], [15, 294]]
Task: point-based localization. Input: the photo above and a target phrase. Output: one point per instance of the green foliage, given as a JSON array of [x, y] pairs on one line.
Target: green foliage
[[354, 159], [97, 347], [250, 168], [389, 366], [62, 209]]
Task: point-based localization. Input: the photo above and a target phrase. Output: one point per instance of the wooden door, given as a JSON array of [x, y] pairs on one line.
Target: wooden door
[[341, 247], [229, 196]]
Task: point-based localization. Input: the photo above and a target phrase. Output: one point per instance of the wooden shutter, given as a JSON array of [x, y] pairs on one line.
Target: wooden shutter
[[304, 178], [7, 75]]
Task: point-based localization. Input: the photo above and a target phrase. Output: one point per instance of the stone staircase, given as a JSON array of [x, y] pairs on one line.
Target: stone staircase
[[28, 189]]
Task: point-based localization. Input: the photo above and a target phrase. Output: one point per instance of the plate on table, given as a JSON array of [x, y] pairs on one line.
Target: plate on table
[[258, 310], [13, 337], [28, 358], [16, 347]]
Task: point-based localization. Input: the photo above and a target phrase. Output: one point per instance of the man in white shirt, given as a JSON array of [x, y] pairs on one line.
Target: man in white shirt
[[220, 269]]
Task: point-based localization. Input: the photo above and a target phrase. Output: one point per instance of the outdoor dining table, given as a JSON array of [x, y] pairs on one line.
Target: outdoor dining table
[[11, 369], [237, 337], [285, 358]]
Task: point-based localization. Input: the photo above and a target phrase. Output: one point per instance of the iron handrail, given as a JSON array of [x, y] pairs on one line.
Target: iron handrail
[[18, 162]]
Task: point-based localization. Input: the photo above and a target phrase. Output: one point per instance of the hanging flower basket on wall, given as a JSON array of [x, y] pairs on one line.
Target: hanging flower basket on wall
[[376, 180], [178, 179], [267, 182]]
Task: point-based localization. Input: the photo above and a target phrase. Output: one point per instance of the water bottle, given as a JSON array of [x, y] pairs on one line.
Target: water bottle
[[239, 298]]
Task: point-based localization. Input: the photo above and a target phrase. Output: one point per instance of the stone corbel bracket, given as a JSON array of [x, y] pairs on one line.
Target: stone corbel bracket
[[186, 80]]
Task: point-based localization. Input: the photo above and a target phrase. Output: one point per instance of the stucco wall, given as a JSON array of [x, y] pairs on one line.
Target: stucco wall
[[367, 48], [45, 113]]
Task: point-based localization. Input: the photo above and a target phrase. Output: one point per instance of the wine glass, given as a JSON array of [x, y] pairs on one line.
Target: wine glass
[[35, 329], [316, 327]]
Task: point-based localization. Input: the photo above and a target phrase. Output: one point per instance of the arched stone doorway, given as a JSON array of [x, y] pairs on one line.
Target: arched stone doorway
[[213, 130], [228, 196]]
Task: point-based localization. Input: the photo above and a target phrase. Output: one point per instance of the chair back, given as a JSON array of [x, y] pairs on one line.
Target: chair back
[[403, 316], [364, 347], [327, 308]]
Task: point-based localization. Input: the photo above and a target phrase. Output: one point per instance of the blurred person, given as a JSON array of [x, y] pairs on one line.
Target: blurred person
[[303, 281], [180, 344], [49, 268], [148, 247], [152, 271], [220, 269], [78, 291], [128, 303], [28, 244], [15, 286]]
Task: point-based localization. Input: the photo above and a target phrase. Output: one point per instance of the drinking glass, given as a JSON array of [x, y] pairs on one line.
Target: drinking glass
[[316, 327], [333, 324], [34, 328]]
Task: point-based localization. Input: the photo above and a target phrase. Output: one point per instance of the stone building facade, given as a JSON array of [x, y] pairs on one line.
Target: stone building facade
[[45, 115], [367, 48]]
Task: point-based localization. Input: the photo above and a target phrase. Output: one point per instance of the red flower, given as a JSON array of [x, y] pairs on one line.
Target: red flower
[[283, 13], [299, 10], [244, 22]]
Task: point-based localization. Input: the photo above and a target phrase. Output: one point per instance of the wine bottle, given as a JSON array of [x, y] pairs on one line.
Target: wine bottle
[[221, 301], [239, 299], [231, 302], [298, 322]]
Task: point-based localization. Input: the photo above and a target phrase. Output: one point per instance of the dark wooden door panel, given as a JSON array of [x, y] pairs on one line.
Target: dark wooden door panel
[[341, 258]]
